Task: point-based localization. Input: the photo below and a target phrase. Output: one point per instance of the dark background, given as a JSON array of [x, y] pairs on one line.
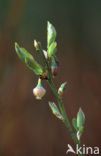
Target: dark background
[[27, 126]]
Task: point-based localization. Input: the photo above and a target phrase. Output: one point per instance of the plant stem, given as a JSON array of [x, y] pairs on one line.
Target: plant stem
[[62, 109], [58, 98]]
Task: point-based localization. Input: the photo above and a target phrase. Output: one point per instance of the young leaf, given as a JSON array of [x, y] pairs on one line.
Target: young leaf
[[81, 129], [74, 123], [80, 119], [51, 33], [22, 53], [33, 65], [28, 59], [55, 110], [36, 45], [63, 85], [52, 49], [61, 88]]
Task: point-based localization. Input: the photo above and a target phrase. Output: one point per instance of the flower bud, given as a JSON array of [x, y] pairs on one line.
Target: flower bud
[[57, 61], [36, 45], [39, 91], [54, 68], [46, 55]]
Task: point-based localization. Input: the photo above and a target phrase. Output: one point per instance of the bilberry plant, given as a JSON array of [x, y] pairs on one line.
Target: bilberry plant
[[48, 72]]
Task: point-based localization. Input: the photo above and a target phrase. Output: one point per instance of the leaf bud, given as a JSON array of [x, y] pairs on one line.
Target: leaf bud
[[80, 120], [61, 88], [55, 110]]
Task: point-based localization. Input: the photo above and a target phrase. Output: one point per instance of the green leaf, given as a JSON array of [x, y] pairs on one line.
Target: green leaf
[[61, 88], [63, 85], [28, 59], [51, 33], [55, 110], [81, 129], [33, 65], [80, 119], [22, 53], [74, 123], [52, 49]]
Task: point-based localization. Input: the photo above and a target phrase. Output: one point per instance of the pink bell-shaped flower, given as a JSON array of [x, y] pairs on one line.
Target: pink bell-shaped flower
[[39, 91]]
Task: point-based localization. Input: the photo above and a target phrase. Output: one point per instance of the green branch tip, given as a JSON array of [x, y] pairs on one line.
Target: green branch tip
[[50, 64]]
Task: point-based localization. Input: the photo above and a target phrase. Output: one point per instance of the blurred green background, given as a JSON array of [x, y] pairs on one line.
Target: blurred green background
[[27, 126]]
